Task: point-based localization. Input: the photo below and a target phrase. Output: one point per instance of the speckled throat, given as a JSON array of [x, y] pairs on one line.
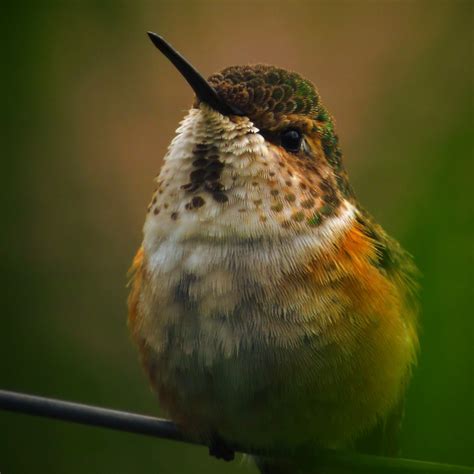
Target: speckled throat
[[221, 179]]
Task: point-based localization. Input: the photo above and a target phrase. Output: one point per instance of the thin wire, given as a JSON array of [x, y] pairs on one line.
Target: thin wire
[[90, 415], [160, 428]]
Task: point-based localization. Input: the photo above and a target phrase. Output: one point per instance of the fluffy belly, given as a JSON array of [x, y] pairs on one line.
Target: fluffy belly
[[266, 394], [263, 361]]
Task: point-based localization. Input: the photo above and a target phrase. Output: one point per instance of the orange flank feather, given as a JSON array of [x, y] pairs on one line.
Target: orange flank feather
[[136, 273]]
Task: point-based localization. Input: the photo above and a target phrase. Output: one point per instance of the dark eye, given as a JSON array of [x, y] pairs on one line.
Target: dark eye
[[291, 139]]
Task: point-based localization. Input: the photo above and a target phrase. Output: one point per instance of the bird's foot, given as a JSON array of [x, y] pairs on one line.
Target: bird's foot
[[219, 449]]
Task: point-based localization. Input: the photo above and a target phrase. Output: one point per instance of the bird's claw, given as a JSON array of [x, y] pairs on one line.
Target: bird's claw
[[219, 449]]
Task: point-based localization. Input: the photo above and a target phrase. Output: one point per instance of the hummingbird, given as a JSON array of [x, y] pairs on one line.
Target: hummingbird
[[271, 311]]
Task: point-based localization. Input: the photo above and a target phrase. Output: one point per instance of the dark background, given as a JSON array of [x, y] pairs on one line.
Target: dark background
[[89, 108]]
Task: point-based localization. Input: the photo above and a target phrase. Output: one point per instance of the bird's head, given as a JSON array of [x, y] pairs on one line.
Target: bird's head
[[256, 157]]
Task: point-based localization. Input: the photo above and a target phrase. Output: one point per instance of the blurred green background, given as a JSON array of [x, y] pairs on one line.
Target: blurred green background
[[89, 107]]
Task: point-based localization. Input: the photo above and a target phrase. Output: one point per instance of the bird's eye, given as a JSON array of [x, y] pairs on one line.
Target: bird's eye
[[291, 139]]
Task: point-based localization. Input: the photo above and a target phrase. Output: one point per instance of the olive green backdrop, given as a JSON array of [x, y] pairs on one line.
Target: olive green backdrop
[[89, 107]]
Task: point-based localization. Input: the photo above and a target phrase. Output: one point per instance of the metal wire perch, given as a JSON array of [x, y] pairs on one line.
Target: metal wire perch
[[166, 429]]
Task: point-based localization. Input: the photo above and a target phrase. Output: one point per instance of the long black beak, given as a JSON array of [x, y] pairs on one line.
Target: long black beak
[[204, 91]]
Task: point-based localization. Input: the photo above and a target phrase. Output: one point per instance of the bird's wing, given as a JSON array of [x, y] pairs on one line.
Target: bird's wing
[[398, 266]]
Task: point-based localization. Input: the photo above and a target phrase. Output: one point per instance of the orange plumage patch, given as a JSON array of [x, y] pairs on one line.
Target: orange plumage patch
[[377, 306], [136, 273]]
